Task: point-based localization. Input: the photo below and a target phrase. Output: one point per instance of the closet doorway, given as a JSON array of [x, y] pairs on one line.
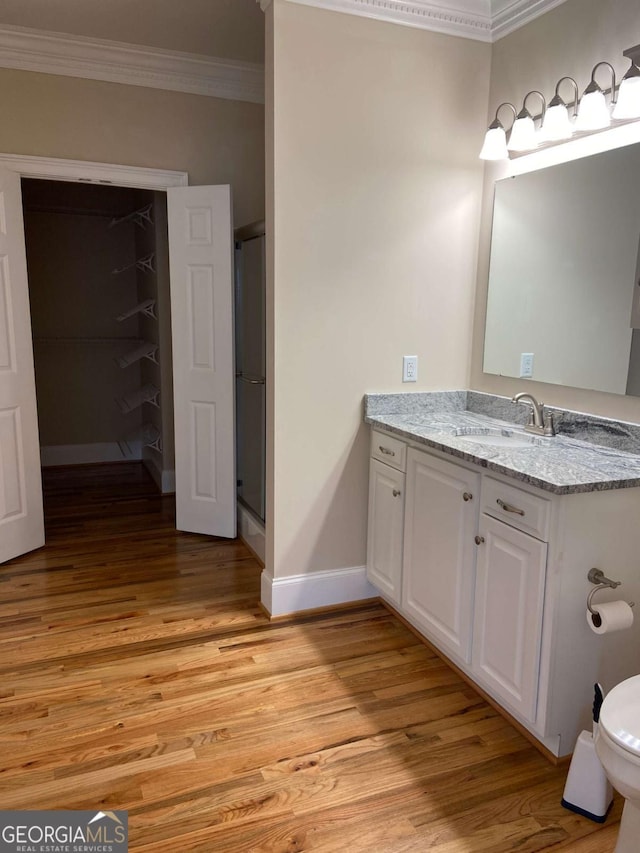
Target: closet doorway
[[98, 268], [201, 296]]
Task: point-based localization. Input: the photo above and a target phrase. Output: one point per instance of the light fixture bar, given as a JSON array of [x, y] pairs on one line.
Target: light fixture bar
[[591, 112]]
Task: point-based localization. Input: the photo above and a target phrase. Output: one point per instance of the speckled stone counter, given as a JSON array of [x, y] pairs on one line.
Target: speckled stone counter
[[588, 454]]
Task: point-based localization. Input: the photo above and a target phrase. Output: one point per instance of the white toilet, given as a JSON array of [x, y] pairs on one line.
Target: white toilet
[[618, 748]]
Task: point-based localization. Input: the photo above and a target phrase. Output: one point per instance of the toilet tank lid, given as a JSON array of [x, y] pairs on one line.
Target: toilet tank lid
[[620, 714]]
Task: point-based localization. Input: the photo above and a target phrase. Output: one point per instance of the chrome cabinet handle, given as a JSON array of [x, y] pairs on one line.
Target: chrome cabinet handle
[[479, 540], [396, 493], [508, 508], [467, 496], [386, 451]]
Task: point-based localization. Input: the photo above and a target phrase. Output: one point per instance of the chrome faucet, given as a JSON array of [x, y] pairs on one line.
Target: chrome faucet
[[540, 422]]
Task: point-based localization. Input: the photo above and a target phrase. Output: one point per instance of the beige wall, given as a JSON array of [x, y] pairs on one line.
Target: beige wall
[[568, 40], [377, 193], [216, 141]]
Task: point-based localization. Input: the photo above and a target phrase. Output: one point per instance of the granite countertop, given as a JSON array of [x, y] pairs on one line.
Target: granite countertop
[[601, 458]]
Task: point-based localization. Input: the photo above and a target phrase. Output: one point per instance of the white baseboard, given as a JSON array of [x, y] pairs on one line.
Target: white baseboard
[[83, 454], [283, 596], [252, 531], [164, 478]]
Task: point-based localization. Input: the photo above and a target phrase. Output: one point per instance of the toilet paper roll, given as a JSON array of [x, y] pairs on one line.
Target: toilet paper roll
[[610, 616]]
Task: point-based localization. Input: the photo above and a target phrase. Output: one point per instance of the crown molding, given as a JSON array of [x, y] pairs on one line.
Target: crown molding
[[134, 65], [416, 13], [482, 20]]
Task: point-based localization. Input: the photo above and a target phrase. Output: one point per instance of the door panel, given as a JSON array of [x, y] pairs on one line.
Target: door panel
[[21, 516], [439, 555], [201, 266], [384, 539], [508, 614]]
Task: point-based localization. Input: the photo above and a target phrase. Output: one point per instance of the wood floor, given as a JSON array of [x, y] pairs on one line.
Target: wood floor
[[139, 673]]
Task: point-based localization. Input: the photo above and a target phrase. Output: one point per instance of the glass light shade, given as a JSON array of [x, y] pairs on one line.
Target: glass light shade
[[556, 123], [495, 145], [628, 105], [593, 112], [523, 135]]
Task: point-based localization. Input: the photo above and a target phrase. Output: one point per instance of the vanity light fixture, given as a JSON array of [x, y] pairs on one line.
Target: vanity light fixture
[[495, 140], [593, 112], [557, 124], [628, 103], [524, 135]]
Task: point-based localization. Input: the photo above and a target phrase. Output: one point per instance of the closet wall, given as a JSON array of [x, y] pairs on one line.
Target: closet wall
[[94, 270]]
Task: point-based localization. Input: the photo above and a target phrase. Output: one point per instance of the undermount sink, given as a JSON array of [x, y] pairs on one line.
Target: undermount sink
[[501, 438]]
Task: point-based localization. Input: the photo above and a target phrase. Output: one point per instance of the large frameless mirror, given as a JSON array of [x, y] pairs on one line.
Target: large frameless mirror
[[564, 300]]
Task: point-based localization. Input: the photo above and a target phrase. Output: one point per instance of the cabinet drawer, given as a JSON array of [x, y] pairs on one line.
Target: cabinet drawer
[[522, 510], [389, 450]]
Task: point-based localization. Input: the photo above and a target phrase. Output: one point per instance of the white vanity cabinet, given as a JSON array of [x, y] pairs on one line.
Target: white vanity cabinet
[[386, 514], [441, 512], [493, 572]]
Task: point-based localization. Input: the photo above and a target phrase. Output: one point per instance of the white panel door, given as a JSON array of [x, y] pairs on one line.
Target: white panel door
[[201, 267], [21, 516]]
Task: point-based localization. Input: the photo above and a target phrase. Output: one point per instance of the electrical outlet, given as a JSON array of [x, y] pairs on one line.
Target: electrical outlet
[[410, 368], [526, 365]]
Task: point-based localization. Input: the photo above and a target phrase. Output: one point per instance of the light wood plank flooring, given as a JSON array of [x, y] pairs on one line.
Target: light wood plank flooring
[[139, 673]]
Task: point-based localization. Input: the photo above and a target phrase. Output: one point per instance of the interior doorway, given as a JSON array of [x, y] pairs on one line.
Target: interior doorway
[[200, 287], [98, 271]]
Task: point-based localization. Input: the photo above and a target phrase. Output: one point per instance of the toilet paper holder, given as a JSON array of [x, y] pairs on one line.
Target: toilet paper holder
[[598, 577]]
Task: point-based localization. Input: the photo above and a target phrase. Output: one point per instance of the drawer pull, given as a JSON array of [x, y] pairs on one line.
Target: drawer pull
[[386, 451], [467, 496], [479, 540], [508, 508], [396, 493]]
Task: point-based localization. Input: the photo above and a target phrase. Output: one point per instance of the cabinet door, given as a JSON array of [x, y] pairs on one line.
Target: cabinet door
[[511, 570], [439, 551], [384, 540]]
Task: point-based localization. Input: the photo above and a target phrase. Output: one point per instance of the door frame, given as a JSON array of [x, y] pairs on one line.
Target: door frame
[[92, 173], [88, 172]]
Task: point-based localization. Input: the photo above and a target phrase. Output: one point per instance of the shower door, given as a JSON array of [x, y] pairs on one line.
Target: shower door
[[250, 367]]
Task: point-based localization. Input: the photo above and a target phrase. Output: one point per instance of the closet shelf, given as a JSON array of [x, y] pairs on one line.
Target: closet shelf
[[134, 399], [145, 350], [147, 435], [141, 217], [73, 340], [143, 264], [148, 308]]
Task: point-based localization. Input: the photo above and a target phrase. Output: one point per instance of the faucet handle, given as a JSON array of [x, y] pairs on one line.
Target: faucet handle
[[549, 426]]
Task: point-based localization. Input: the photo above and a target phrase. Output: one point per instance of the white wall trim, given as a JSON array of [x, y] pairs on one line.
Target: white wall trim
[[283, 596], [252, 532], [164, 478], [84, 454], [481, 20], [86, 172], [115, 62]]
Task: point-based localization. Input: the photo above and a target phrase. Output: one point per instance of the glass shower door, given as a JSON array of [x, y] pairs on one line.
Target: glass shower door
[[250, 367]]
